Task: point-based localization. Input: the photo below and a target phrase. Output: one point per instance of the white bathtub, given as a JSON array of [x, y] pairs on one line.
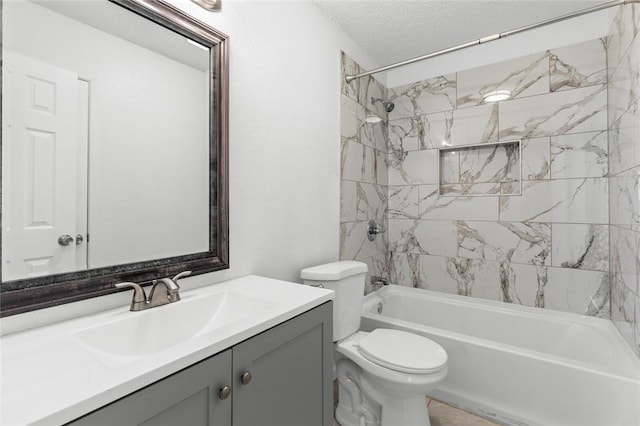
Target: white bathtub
[[519, 365]]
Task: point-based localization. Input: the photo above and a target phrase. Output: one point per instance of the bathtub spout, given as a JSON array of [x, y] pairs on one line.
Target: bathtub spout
[[379, 281]]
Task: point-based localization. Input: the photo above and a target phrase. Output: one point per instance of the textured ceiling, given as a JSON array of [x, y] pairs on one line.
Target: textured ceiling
[[395, 30]]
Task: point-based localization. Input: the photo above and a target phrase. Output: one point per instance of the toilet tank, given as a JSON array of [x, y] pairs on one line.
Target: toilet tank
[[346, 278]]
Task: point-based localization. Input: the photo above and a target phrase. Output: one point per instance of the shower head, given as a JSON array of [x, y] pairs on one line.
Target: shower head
[[388, 105]]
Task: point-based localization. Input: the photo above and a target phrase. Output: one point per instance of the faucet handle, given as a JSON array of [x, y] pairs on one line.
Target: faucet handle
[[180, 275], [138, 292]]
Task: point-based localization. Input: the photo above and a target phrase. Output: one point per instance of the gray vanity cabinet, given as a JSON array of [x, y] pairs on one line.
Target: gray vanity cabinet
[[187, 398], [291, 369], [279, 377]]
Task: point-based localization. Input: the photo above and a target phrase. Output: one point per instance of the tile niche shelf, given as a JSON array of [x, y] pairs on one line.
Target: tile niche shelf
[[482, 170]]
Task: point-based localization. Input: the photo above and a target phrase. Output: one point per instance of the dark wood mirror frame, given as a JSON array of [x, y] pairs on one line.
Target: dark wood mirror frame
[[36, 293]]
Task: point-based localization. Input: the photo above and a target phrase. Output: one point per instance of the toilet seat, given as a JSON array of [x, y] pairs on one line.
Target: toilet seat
[[402, 351]]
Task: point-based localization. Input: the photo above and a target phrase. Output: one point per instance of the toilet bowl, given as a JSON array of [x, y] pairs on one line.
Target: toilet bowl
[[383, 375], [395, 387]]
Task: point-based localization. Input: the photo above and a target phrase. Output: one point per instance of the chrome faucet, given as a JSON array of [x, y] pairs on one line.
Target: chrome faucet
[[164, 290]]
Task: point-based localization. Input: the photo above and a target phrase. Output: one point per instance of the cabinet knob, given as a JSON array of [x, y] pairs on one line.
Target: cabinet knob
[[225, 392], [245, 378]]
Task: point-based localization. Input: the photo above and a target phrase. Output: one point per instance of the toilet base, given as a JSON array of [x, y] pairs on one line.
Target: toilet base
[[355, 407], [392, 415], [361, 405], [407, 412]]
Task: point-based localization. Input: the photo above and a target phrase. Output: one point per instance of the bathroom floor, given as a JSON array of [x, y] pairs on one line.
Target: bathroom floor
[[442, 414]]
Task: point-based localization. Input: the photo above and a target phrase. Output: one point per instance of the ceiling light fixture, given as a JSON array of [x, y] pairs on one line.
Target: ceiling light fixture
[[497, 96]]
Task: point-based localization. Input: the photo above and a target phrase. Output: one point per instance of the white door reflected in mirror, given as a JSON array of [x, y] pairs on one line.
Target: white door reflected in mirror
[[105, 135], [41, 134]]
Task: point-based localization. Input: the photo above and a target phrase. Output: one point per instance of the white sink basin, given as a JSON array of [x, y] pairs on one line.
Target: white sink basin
[[137, 334]]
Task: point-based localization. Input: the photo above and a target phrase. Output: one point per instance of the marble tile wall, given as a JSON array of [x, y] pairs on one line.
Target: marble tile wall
[[549, 246], [363, 179], [569, 242], [623, 56]]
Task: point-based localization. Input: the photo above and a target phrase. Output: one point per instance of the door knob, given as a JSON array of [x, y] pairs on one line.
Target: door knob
[[65, 240], [79, 239], [225, 392], [245, 378]]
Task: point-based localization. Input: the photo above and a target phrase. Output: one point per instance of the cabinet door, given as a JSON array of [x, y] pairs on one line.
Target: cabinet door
[[187, 398], [291, 369]]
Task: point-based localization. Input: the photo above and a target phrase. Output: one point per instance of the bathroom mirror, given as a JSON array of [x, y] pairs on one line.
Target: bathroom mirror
[[114, 148]]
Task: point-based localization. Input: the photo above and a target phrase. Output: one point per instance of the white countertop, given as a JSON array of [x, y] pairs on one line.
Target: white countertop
[[49, 377]]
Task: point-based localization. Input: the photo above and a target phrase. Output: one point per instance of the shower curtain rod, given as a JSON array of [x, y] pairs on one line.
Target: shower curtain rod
[[350, 78]]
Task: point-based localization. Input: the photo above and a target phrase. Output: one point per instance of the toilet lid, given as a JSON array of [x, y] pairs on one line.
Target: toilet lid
[[402, 351]]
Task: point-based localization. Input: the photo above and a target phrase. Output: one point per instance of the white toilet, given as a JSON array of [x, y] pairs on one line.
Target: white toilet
[[383, 376]]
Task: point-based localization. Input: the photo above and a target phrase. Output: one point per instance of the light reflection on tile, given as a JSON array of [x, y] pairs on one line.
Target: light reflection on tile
[[525, 76]]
